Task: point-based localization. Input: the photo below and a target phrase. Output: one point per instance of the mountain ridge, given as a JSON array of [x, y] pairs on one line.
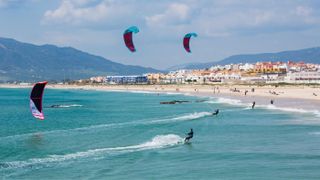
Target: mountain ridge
[[308, 55], [21, 61]]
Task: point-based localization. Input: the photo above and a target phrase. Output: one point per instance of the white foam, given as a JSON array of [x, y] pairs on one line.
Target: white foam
[[237, 102], [173, 93], [70, 105], [192, 116], [295, 110], [314, 133], [221, 100], [159, 141], [142, 92]]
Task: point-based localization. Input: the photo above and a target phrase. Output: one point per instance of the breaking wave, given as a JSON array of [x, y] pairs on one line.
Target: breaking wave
[[294, 110]]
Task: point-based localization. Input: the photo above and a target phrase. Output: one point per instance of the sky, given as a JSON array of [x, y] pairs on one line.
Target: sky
[[224, 27]]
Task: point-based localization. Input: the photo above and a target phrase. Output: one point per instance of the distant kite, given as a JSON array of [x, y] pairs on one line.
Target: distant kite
[[186, 41], [127, 36], [36, 100]]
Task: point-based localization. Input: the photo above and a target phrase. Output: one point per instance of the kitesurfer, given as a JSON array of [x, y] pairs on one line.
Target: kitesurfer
[[216, 112], [189, 136], [253, 104]]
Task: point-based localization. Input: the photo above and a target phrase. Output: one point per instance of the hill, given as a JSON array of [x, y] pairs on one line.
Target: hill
[[310, 55], [28, 62]]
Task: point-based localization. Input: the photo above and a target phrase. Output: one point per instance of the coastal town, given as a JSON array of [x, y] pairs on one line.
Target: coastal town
[[260, 72]]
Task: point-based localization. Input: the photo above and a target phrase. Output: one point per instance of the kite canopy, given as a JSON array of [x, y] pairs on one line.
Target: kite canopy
[[127, 36], [186, 41], [36, 100]]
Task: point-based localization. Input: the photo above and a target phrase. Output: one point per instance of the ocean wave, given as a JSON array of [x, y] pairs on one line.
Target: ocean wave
[[64, 105], [159, 141], [237, 102], [287, 109], [220, 100], [314, 133], [142, 92]]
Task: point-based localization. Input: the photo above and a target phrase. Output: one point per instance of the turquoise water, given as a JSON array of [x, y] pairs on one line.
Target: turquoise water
[[121, 135]]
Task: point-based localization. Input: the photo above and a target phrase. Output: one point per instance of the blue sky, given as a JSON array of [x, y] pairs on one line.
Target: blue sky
[[224, 27]]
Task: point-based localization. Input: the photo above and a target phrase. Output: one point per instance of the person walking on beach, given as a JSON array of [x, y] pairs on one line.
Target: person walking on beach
[[253, 104], [189, 136]]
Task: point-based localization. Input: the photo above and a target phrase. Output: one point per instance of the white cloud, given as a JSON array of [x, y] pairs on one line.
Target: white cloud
[[78, 12], [176, 13], [231, 17], [208, 17], [70, 12]]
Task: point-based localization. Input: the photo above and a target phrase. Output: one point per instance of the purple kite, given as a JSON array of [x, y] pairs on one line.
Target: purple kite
[[127, 36], [186, 41], [36, 100]]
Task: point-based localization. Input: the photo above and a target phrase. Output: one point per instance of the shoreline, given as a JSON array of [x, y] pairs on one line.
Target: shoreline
[[295, 98]]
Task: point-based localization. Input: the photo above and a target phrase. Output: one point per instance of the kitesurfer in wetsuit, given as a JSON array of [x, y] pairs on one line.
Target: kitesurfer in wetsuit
[[253, 104], [216, 112], [189, 136]]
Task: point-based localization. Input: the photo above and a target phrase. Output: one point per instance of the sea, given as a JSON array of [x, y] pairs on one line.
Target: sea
[[130, 135]]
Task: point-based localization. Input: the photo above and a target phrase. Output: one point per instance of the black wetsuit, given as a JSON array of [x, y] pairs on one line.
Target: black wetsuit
[[253, 105], [216, 112], [190, 135]]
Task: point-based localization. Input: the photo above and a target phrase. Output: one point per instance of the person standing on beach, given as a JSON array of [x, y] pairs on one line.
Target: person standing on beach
[[253, 104], [271, 102]]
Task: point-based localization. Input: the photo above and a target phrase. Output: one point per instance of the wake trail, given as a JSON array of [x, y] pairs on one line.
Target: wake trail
[[159, 141], [187, 117]]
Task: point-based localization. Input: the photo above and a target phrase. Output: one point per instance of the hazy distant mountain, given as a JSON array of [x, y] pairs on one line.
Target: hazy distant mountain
[[310, 55], [27, 62]]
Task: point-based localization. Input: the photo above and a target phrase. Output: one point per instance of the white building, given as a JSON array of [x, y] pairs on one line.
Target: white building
[[246, 67], [303, 77]]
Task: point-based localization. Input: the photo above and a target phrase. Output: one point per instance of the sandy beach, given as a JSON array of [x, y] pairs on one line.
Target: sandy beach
[[299, 97]]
